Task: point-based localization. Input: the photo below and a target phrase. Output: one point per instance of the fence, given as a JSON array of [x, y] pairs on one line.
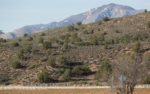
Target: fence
[[57, 87]]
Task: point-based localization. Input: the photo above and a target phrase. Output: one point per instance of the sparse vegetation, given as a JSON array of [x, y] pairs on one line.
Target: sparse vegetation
[[82, 52], [43, 77], [51, 62], [62, 60], [16, 64], [67, 75], [47, 45]]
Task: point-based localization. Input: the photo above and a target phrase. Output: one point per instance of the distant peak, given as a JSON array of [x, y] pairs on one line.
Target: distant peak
[[112, 4]]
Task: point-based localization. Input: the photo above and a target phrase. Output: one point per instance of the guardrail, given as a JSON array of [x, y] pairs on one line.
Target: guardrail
[[57, 87]]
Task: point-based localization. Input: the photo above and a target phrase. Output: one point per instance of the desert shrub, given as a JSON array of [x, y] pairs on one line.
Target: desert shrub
[[43, 59], [49, 51], [2, 40], [148, 24], [105, 46], [21, 56], [85, 70], [94, 40], [106, 19], [147, 60], [62, 60], [47, 45], [30, 38], [40, 40], [91, 31], [51, 62], [101, 37], [67, 75], [71, 28], [42, 34], [79, 23], [75, 38], [66, 36], [65, 46], [104, 71], [60, 70], [117, 31], [4, 81], [137, 47], [80, 70], [28, 48], [43, 77], [32, 66], [54, 40], [15, 44], [76, 70], [110, 41], [16, 64], [145, 10], [99, 22], [25, 35], [85, 32], [83, 43], [147, 80]]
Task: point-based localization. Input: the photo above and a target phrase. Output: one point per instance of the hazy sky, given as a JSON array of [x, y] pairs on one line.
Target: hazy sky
[[17, 13]]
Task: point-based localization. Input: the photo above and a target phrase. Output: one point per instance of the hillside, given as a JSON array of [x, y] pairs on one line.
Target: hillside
[[111, 10], [82, 46]]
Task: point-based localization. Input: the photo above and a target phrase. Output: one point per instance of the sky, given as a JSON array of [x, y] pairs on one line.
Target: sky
[[18, 13]]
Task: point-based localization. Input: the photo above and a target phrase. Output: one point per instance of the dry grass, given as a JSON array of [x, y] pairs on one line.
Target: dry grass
[[69, 91]]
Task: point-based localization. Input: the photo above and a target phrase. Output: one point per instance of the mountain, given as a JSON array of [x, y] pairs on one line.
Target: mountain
[[111, 10], [1, 32], [82, 51]]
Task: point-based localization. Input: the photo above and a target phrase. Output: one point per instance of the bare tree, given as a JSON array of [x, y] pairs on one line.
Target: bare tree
[[133, 69]]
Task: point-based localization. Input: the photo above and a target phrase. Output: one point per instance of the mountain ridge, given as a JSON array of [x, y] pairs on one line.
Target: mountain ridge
[[111, 10]]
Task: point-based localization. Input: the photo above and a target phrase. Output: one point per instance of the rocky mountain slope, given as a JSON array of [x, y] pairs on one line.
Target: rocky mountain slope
[[93, 15], [76, 51]]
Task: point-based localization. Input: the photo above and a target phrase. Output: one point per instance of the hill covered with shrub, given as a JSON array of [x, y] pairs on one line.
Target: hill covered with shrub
[[76, 54]]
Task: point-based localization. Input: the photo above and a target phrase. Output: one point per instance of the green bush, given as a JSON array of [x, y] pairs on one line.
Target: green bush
[[106, 19], [47, 45], [76, 70], [2, 40], [43, 59], [30, 38], [75, 38], [40, 40], [43, 77], [80, 70], [21, 56], [49, 51], [85, 32], [67, 75], [104, 71], [71, 28], [137, 47], [62, 60], [145, 10], [61, 71], [28, 48], [42, 34], [94, 40], [79, 23], [148, 24], [16, 65], [32, 66], [15, 44], [25, 35], [101, 37], [147, 80], [51, 62]]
